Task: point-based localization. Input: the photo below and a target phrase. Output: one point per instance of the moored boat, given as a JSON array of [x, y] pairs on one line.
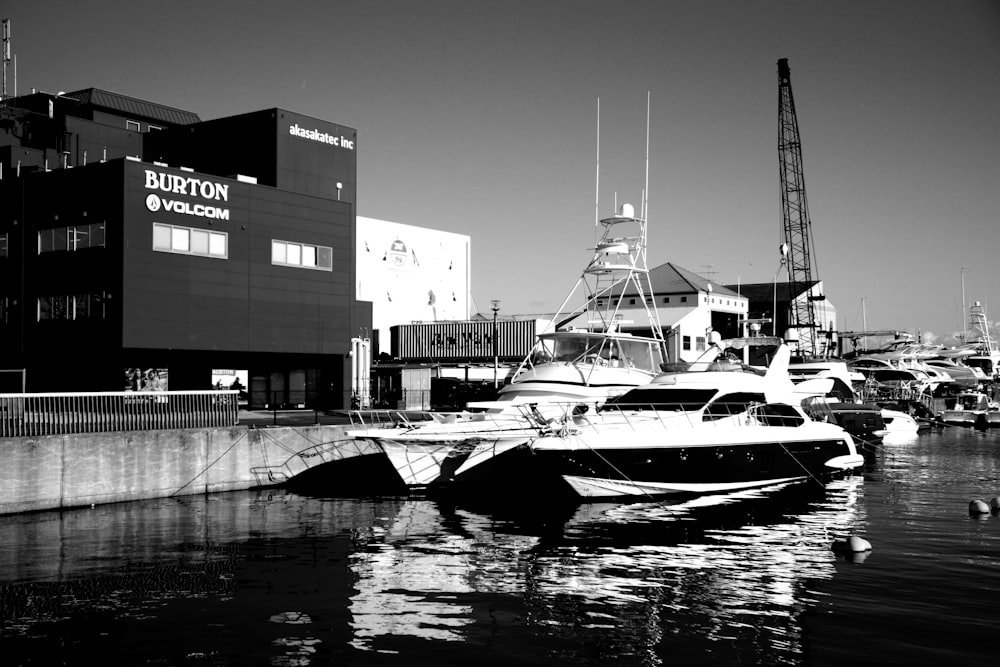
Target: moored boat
[[973, 409], [698, 432]]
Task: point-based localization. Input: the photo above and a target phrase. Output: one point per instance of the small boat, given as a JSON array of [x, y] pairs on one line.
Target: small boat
[[695, 432], [973, 409]]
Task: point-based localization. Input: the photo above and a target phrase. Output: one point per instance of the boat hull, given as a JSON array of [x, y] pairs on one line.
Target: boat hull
[[688, 464], [423, 464], [971, 419]]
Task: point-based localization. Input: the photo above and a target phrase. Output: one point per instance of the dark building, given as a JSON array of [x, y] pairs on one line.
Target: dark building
[[139, 243]]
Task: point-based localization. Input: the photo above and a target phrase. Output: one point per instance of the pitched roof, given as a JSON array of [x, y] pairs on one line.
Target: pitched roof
[[671, 279], [103, 99], [755, 292]]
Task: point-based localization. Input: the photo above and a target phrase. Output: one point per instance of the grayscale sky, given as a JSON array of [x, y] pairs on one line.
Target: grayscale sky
[[480, 118]]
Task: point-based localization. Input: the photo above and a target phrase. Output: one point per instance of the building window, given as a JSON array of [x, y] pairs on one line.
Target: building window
[[699, 343], [684, 299], [154, 127], [74, 307], [301, 255], [666, 299], [71, 238], [132, 125], [686, 343], [190, 241], [85, 236]]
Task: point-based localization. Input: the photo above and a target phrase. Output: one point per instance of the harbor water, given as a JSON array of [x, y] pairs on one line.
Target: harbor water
[[281, 578]]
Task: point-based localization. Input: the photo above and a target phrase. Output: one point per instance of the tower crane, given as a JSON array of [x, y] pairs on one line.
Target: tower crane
[[798, 244]]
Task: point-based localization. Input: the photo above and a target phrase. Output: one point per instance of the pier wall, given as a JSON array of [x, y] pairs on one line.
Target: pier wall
[[72, 470]]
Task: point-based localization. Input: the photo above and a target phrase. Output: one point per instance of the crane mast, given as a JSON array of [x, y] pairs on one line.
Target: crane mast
[[795, 218]]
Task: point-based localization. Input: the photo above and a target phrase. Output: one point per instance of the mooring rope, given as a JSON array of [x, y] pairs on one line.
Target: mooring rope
[[794, 458], [219, 458], [617, 470]]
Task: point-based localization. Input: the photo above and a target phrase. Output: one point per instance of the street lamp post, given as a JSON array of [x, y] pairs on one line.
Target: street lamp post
[[495, 307]]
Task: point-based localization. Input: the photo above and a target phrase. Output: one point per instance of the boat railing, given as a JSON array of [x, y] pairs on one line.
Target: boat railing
[[566, 417], [456, 422], [25, 415], [736, 413], [880, 392]]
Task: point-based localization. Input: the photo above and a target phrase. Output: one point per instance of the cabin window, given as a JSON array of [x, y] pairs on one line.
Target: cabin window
[[684, 299], [132, 125], [732, 404], [699, 344], [776, 414], [666, 299], [661, 398], [3, 245], [686, 343]]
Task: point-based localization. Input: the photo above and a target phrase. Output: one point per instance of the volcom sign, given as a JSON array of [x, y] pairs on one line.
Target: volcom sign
[[186, 185]]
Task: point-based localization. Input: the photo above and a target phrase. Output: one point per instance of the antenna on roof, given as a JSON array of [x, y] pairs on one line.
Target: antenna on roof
[[6, 56]]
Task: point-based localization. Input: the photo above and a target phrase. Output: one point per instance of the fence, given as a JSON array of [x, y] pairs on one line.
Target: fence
[[52, 414]]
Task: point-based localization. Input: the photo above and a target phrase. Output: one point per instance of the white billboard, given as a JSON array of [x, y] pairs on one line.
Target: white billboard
[[411, 274]]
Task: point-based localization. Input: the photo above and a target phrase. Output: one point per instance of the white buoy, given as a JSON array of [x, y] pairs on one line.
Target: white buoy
[[978, 507], [852, 544]]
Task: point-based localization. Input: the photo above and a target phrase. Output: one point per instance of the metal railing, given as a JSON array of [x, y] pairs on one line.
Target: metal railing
[[96, 412], [562, 417]]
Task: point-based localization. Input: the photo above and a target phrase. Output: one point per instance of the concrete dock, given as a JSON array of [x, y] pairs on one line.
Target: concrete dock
[[74, 470]]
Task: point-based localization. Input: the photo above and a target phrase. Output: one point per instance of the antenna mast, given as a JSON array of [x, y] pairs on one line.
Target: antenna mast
[[597, 186], [6, 56], [645, 187]]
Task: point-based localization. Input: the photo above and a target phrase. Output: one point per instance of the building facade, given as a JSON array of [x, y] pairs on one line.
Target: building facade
[[142, 248]]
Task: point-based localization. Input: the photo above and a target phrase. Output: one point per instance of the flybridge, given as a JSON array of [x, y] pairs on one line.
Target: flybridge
[[187, 185]]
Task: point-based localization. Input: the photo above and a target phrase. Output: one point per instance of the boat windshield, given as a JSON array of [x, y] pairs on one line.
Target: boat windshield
[[985, 364], [596, 349], [675, 399]]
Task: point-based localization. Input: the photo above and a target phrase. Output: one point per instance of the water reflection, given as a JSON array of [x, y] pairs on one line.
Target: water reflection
[[287, 579], [732, 565]]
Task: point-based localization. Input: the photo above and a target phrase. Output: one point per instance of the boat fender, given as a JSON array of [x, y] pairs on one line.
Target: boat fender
[[977, 507], [852, 544]]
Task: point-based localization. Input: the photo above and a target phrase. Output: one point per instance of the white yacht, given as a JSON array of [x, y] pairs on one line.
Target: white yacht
[[698, 432]]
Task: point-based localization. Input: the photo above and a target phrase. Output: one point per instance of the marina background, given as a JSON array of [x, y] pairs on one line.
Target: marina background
[[282, 578], [480, 118]]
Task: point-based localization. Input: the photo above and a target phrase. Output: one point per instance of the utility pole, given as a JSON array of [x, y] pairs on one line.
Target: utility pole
[[495, 307]]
